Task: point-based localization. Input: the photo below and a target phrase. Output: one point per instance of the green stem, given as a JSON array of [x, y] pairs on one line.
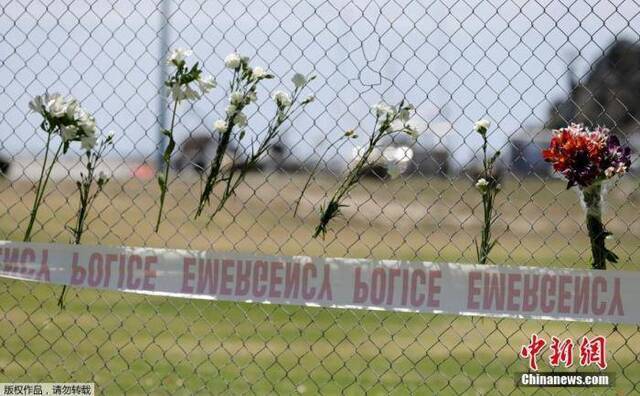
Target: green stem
[[167, 165], [333, 207], [42, 185], [597, 232], [313, 171], [487, 205], [265, 145], [82, 212], [212, 178]]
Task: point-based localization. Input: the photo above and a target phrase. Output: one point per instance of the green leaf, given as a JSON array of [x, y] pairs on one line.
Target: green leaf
[[169, 150]]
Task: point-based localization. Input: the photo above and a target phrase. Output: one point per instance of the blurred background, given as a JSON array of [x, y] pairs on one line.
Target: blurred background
[[527, 66]]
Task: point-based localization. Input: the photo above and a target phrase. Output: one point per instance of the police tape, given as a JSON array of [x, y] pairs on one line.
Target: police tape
[[395, 285]]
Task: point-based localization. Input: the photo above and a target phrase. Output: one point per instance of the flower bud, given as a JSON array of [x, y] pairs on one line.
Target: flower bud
[[482, 184], [481, 126]]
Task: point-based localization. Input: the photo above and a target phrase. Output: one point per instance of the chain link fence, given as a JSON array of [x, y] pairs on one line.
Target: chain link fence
[[529, 66]]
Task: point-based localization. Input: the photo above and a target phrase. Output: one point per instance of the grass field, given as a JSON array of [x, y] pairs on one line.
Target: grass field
[[141, 344]]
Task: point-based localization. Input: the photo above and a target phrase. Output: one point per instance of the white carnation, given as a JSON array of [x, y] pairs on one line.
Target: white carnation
[[56, 106], [282, 98], [235, 98], [382, 109], [232, 61], [86, 122], [189, 93], [259, 72], [72, 107], [88, 142], [178, 55], [240, 120], [481, 126], [220, 125], [206, 84], [36, 105], [298, 80], [69, 132]]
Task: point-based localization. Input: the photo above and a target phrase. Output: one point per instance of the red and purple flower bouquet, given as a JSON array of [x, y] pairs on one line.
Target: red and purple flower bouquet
[[587, 159]]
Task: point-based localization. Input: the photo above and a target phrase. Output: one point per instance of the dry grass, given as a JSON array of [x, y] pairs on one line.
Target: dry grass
[[140, 345], [423, 219]]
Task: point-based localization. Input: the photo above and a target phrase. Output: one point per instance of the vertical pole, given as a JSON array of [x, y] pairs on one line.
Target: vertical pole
[[162, 76]]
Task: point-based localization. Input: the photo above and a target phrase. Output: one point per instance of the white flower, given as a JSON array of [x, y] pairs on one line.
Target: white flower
[[298, 80], [88, 142], [609, 172], [206, 84], [259, 72], [282, 98], [482, 184], [36, 105], [235, 98], [102, 176], [252, 96], [481, 126], [189, 93], [69, 132], [382, 109], [413, 128], [178, 55], [220, 125], [404, 115], [57, 106], [72, 106], [86, 122], [232, 61], [181, 92], [231, 109], [240, 120]]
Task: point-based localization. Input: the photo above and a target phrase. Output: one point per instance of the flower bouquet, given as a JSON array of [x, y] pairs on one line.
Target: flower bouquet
[[179, 88], [389, 120], [64, 119], [287, 107], [242, 93], [588, 159]]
